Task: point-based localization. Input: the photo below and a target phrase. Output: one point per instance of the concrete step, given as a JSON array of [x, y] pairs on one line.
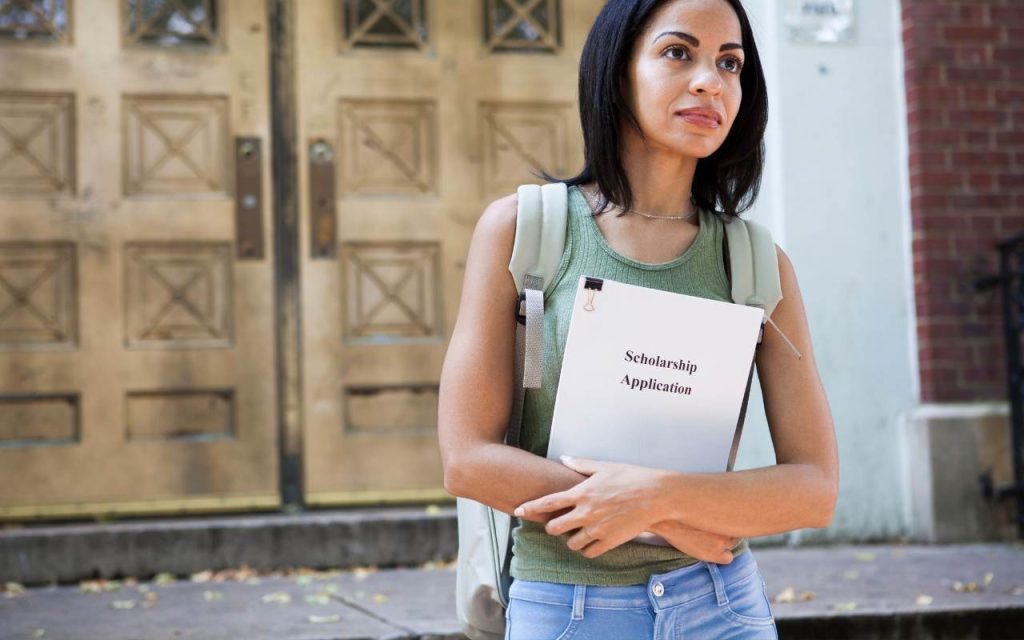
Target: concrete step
[[385, 537], [874, 592]]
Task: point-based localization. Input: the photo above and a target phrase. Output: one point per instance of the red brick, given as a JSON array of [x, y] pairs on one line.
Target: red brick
[[981, 75], [970, 55], [915, 74], [1010, 138], [1012, 15], [942, 245], [973, 14], [979, 158], [932, 95], [940, 138], [1013, 180], [943, 223], [929, 201], [981, 201], [979, 139], [926, 117], [923, 160], [1009, 96], [941, 182], [1008, 55], [981, 181], [961, 33], [970, 117]]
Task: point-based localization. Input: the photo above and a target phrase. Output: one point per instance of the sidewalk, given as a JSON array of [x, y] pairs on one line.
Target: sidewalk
[[863, 591]]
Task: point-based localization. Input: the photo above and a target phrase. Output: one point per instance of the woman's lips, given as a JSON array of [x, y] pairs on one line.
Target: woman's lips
[[700, 120]]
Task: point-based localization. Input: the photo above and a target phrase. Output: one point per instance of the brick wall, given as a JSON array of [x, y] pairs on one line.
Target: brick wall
[[965, 97]]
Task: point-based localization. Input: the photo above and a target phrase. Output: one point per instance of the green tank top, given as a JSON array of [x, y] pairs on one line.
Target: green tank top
[[699, 271]]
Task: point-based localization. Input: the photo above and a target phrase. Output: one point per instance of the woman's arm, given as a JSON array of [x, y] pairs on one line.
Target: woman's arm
[[799, 491], [475, 396]]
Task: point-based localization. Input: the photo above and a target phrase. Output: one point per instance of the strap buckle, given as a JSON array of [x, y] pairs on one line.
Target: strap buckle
[[521, 311]]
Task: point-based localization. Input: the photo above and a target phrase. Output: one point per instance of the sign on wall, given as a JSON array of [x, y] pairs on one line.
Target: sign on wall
[[820, 21]]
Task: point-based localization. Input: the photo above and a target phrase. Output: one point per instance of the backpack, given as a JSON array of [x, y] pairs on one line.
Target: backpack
[[485, 534]]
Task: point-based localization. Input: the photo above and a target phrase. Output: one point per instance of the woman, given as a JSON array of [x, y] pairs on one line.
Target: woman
[[673, 110]]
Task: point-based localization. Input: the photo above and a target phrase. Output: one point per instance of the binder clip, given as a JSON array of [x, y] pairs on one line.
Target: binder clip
[[591, 286]]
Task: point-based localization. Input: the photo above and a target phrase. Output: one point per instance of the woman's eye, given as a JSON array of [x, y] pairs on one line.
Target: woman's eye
[[734, 65], [671, 52]]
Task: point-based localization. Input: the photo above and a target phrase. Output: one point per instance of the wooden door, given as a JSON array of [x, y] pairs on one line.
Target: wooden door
[[136, 284], [412, 116]]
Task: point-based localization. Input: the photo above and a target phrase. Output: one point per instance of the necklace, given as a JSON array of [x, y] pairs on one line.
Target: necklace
[[589, 196]]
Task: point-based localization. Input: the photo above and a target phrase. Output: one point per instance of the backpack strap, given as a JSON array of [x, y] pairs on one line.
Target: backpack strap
[[753, 265], [536, 253], [540, 232]]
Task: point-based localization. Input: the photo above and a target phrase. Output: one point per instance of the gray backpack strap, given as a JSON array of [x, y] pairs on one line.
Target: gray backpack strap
[[536, 254], [754, 270], [754, 265]]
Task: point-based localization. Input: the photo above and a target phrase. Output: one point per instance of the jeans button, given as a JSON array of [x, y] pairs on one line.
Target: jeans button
[[659, 589]]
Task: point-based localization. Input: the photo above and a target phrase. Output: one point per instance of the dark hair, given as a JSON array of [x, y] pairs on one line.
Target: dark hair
[[725, 182]]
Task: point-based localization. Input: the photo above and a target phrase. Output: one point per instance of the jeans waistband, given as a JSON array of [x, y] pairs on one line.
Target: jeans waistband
[[662, 590]]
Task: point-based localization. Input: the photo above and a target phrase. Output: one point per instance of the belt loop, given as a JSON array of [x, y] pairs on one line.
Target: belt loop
[[579, 597], [716, 577]]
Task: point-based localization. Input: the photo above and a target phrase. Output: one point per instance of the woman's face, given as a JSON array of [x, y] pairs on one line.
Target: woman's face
[[688, 57]]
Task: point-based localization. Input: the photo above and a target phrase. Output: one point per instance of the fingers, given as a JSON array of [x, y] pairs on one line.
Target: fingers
[[546, 504]]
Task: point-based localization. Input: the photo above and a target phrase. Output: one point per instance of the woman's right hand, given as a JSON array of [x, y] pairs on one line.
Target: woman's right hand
[[703, 545]]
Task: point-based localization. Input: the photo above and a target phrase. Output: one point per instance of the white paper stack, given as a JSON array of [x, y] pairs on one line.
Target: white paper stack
[[652, 377]]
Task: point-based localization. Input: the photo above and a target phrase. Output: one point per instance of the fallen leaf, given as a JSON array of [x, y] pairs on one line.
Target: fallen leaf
[[865, 556], [807, 596], [90, 586], [962, 587], [380, 598], [131, 582], [280, 597], [142, 588], [924, 600], [852, 574], [432, 510], [14, 589], [360, 573], [202, 576], [39, 633], [1017, 591], [165, 578], [785, 596], [844, 606], [123, 604], [253, 581], [325, 619], [331, 588], [318, 598], [150, 599], [210, 596], [987, 580]]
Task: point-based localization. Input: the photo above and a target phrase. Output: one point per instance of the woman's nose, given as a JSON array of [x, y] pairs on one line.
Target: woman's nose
[[706, 80]]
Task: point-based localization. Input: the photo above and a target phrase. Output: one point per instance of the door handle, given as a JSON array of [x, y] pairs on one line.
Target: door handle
[[321, 200], [248, 199]]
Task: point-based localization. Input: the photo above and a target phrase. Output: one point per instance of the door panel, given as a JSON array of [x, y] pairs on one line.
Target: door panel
[[136, 347], [429, 110]]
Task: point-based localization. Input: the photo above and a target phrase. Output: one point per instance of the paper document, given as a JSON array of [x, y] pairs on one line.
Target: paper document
[[652, 377]]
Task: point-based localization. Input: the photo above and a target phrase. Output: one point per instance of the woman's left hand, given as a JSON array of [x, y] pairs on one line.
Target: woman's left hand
[[612, 506]]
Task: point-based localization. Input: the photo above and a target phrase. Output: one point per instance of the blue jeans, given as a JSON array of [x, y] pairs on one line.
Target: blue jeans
[[704, 601]]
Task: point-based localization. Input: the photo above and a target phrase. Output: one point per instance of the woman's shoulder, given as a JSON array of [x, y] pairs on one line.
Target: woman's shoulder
[[499, 217]]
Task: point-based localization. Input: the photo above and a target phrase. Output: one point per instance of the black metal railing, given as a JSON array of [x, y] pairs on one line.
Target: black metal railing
[[1010, 279]]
